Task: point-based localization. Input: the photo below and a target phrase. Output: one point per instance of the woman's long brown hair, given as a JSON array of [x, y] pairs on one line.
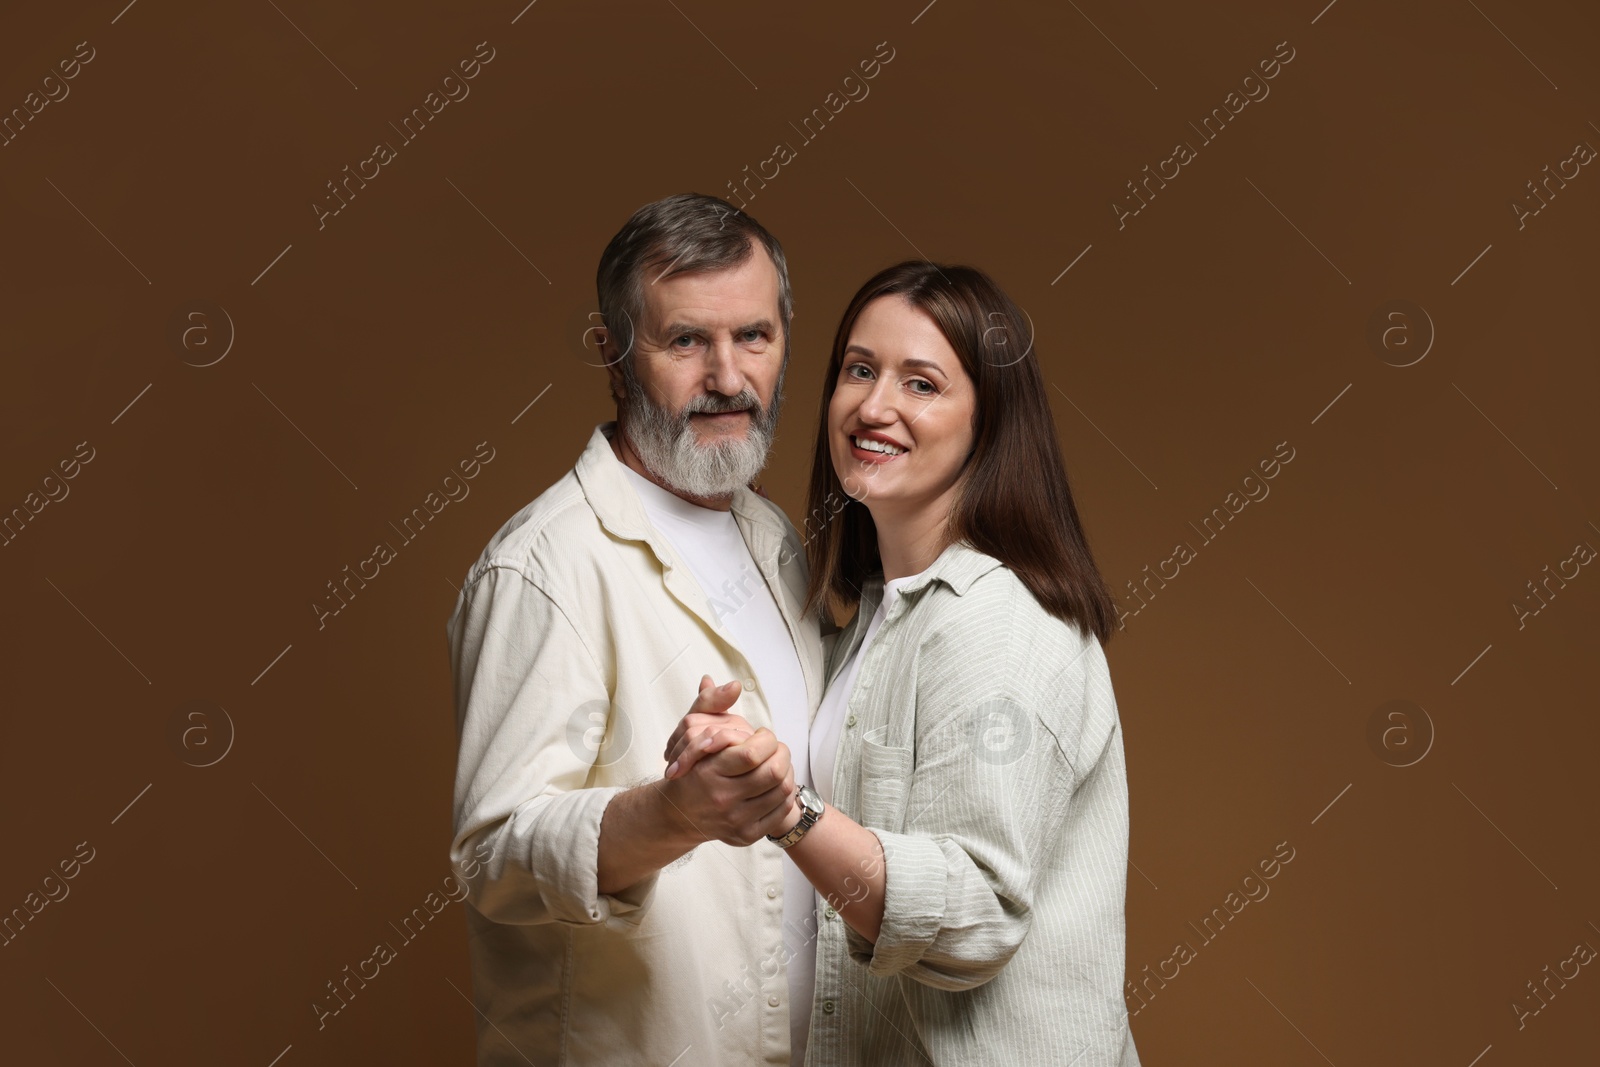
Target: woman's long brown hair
[[1014, 504]]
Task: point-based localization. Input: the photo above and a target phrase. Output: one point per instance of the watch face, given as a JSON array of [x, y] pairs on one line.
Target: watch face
[[811, 809], [810, 799]]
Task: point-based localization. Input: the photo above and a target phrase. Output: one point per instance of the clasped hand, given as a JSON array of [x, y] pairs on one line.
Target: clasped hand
[[732, 783]]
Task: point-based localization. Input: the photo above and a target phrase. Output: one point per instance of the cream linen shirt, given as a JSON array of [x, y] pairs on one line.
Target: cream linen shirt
[[981, 745], [577, 644]]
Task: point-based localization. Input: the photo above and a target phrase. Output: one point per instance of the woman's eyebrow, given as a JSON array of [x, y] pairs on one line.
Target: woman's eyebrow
[[928, 363]]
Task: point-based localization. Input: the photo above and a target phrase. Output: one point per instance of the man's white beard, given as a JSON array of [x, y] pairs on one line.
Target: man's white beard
[[670, 449]]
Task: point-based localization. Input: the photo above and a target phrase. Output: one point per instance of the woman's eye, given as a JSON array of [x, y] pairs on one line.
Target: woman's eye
[[850, 371], [929, 391]]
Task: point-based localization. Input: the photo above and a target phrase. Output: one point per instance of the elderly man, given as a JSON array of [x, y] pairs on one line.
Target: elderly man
[[617, 917]]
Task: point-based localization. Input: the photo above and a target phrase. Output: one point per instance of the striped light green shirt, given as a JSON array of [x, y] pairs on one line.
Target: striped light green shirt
[[981, 744]]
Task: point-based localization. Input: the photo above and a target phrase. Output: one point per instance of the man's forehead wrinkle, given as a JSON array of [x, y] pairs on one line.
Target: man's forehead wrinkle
[[709, 318]]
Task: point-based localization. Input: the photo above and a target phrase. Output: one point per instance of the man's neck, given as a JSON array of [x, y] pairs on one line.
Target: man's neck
[[630, 459]]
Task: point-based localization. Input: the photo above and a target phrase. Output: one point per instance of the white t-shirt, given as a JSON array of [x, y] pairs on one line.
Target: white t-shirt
[[710, 544], [830, 715]]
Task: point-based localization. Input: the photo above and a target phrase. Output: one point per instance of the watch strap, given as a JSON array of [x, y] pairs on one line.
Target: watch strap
[[809, 816]]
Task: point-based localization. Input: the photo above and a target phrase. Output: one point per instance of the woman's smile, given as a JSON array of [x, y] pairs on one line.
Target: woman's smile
[[867, 446]]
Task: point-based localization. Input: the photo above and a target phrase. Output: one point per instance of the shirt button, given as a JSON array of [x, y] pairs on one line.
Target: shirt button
[[750, 685], [828, 912], [772, 1002], [772, 893], [827, 1007], [850, 721]]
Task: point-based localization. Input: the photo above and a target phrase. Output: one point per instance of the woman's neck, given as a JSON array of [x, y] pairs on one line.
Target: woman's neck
[[908, 542]]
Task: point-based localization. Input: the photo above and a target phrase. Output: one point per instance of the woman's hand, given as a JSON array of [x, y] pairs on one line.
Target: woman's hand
[[708, 728]]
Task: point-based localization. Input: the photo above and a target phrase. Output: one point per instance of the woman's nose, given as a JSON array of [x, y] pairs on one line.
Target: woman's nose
[[878, 405]]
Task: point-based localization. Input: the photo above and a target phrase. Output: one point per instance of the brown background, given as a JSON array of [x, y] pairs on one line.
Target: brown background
[[377, 352]]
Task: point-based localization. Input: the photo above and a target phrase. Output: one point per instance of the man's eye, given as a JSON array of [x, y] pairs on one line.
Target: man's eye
[[685, 341], [752, 336]]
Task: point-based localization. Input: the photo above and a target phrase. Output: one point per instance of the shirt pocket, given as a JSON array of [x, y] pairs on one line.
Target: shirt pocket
[[885, 785]]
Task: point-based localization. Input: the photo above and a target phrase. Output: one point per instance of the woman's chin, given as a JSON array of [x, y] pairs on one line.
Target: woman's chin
[[857, 482]]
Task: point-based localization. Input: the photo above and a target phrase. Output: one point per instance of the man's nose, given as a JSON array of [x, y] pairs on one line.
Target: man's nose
[[723, 373]]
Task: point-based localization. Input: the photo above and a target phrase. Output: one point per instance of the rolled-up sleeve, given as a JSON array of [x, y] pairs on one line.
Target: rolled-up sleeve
[[533, 713], [915, 872], [1004, 735], [956, 905]]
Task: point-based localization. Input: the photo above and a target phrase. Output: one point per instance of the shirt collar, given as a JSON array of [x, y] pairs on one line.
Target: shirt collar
[[616, 502], [958, 566]]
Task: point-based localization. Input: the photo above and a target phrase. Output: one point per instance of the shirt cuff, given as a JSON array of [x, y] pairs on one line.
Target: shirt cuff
[[914, 874], [564, 855]]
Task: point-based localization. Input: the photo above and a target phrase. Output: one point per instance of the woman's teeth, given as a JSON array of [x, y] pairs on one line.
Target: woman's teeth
[[876, 446]]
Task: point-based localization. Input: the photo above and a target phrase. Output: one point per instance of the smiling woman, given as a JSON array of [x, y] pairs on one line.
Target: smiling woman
[[923, 361], [900, 427], [968, 827]]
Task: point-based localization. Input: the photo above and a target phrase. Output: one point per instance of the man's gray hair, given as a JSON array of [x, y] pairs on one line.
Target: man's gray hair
[[684, 234]]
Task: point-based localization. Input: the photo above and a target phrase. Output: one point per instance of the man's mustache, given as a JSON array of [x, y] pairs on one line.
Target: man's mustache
[[712, 404]]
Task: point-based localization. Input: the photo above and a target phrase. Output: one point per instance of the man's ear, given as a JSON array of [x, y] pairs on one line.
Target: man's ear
[[613, 364]]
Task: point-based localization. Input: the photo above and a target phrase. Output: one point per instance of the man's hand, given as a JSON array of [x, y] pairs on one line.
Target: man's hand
[[744, 793], [737, 796]]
